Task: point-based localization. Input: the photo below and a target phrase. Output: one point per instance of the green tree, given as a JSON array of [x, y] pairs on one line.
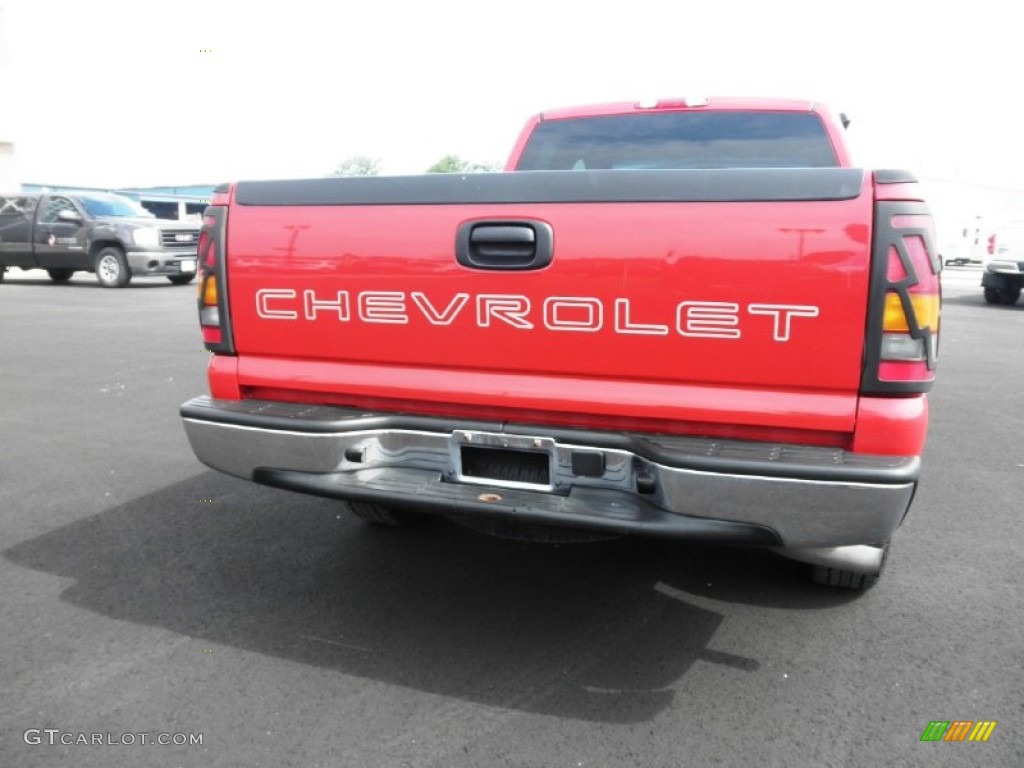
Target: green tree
[[358, 165], [456, 164]]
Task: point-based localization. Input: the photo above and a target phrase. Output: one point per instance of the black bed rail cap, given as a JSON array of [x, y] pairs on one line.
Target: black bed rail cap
[[654, 186]]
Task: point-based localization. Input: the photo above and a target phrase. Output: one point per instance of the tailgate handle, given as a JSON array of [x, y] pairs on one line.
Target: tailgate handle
[[521, 244]]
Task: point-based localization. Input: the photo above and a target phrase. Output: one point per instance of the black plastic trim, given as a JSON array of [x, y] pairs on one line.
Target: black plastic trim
[[536, 254], [894, 176], [217, 239], [880, 470], [718, 185], [583, 509], [885, 237]]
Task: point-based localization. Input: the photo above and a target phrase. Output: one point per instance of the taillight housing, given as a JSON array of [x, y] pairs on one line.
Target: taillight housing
[[214, 319], [902, 341]]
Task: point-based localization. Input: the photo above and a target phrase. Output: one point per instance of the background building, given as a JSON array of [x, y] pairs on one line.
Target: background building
[[9, 181]]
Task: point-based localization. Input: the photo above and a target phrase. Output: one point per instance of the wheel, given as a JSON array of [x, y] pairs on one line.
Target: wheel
[[387, 517], [112, 268], [60, 275], [1006, 296], [842, 579], [181, 279]]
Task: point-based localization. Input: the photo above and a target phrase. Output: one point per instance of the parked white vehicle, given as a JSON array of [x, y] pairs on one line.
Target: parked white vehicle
[[1004, 268], [972, 243]]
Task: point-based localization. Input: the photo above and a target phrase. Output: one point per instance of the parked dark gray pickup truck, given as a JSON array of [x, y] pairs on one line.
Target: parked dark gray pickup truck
[[93, 232]]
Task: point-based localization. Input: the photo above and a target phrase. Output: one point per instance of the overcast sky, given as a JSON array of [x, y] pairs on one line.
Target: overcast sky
[[108, 93]]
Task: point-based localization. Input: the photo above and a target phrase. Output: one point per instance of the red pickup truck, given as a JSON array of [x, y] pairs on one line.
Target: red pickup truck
[[688, 318]]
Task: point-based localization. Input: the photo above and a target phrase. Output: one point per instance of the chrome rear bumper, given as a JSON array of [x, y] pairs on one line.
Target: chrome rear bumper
[[162, 262], [816, 504]]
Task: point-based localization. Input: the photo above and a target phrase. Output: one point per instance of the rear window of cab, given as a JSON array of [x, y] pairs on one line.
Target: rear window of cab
[[680, 140], [17, 205]]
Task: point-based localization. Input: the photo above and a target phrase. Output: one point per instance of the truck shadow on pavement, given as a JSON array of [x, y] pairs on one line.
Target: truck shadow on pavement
[[598, 632]]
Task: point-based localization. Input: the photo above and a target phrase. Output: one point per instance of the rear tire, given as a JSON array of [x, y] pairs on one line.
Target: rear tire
[[181, 279], [60, 275], [112, 268], [1006, 296], [386, 517]]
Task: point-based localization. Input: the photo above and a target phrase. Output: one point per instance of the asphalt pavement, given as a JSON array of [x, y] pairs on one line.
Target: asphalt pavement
[[145, 598]]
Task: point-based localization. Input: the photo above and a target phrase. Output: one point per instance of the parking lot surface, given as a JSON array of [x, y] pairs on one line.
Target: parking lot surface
[[146, 595]]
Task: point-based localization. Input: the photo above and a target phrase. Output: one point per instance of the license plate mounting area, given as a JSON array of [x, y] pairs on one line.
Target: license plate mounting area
[[503, 461]]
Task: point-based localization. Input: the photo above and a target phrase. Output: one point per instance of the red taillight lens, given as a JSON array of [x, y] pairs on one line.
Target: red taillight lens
[[910, 320], [212, 335], [906, 303], [991, 245], [212, 299], [206, 241]]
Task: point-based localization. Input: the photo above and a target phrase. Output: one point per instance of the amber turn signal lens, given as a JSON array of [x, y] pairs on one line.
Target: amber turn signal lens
[[210, 291], [925, 307]]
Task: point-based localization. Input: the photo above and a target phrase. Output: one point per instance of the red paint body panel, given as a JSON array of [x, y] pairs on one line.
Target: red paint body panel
[[639, 400], [656, 257], [891, 426], [571, 419], [712, 105], [222, 373]]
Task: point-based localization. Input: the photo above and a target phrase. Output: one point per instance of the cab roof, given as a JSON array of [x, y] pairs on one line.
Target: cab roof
[[681, 103]]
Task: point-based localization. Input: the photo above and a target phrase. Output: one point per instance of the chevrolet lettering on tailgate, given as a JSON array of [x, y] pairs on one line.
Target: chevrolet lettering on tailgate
[[707, 319]]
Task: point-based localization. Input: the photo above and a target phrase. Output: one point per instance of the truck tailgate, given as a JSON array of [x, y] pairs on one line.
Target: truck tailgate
[[699, 304]]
